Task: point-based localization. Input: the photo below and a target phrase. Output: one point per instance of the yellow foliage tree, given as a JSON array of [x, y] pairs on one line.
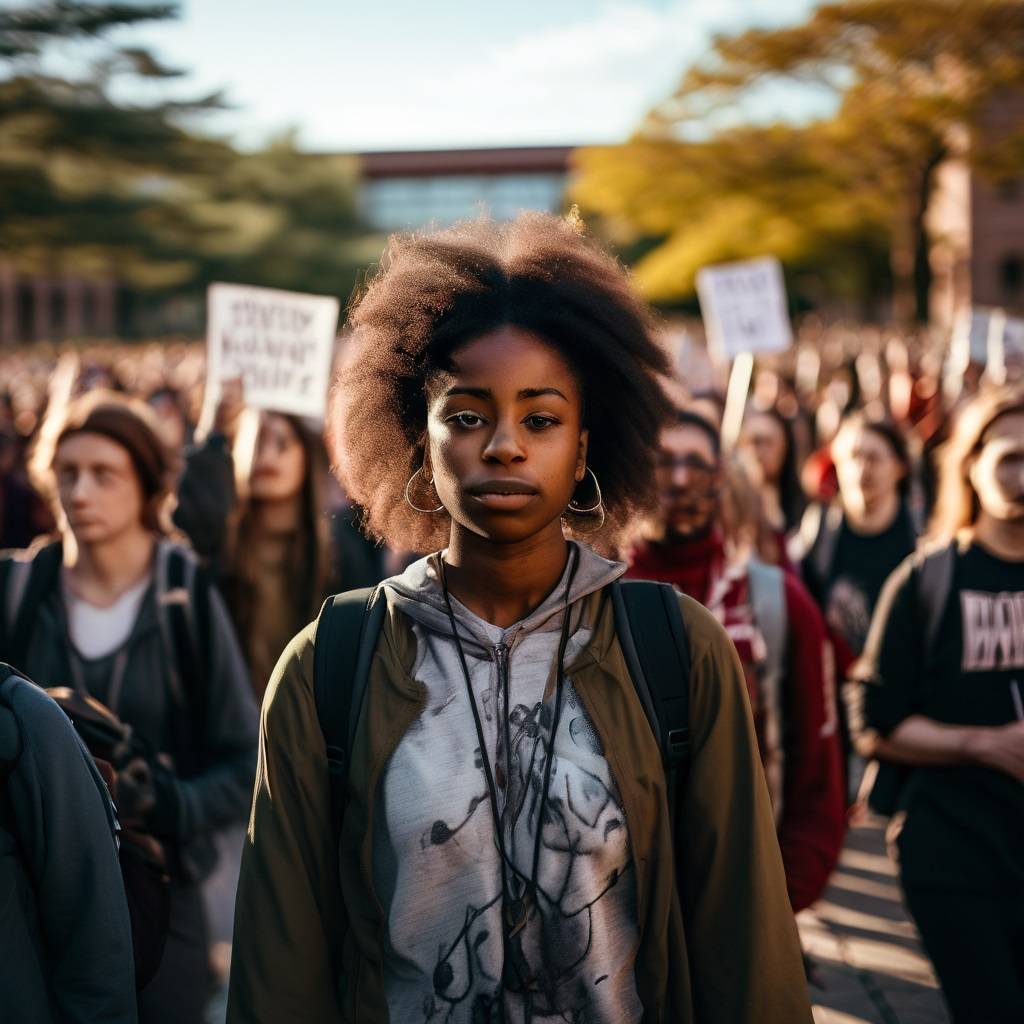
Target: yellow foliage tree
[[912, 82]]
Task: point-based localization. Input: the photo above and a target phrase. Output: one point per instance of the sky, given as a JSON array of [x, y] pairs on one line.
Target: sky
[[409, 74]]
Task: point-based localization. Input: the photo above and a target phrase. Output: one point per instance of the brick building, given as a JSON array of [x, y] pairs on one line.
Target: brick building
[[977, 228]]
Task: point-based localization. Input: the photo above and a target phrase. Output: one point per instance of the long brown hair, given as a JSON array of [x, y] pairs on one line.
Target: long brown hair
[[311, 560], [957, 505]]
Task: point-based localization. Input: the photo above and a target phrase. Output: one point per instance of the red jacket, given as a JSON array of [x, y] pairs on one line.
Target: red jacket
[[812, 823]]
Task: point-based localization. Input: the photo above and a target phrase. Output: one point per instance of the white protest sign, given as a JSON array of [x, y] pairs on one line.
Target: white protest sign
[[972, 333], [1013, 348], [280, 343], [744, 307]]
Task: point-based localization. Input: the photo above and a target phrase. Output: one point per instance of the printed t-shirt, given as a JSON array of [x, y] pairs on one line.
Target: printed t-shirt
[[860, 566], [965, 823]]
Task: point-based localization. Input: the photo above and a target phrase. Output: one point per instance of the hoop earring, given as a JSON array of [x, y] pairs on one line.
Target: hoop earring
[[409, 501], [598, 507]]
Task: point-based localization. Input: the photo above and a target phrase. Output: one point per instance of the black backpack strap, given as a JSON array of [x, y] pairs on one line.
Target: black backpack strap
[[934, 582], [184, 601], [346, 634], [33, 579], [653, 638]]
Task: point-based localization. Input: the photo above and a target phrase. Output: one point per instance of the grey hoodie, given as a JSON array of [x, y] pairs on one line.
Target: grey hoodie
[[437, 864]]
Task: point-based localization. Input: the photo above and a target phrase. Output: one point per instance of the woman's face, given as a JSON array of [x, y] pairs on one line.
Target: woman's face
[[505, 444], [867, 468], [279, 465], [764, 439], [997, 474], [98, 487]]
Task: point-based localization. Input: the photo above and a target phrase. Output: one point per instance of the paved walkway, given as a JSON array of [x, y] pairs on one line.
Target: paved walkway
[[866, 951]]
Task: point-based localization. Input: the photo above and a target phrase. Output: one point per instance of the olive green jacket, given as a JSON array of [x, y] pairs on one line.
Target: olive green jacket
[[718, 943]]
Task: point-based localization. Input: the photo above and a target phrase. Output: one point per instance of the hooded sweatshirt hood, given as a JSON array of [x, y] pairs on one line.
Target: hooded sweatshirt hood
[[418, 593], [498, 765]]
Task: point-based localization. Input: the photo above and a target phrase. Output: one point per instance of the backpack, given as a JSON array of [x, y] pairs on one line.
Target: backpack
[[141, 858], [887, 781], [183, 603], [183, 607], [650, 631]]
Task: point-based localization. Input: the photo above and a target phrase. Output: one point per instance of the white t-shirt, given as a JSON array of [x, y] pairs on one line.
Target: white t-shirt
[[98, 631]]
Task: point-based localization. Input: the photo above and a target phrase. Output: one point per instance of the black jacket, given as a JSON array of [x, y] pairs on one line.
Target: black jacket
[[65, 937]]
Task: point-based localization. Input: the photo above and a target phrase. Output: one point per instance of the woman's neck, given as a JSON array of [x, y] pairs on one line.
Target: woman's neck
[[273, 517], [874, 518], [771, 503], [1003, 538], [502, 583], [101, 573]]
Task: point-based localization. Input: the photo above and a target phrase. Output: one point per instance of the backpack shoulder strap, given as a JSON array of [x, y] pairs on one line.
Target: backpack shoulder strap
[[934, 582], [346, 634], [183, 604], [654, 643], [823, 549], [768, 602], [27, 581], [768, 599]]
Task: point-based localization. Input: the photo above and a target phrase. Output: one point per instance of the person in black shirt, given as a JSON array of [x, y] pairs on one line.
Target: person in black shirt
[[941, 686], [850, 549]]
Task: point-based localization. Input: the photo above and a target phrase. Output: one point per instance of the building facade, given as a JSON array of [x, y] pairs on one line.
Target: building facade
[[400, 191], [976, 224]]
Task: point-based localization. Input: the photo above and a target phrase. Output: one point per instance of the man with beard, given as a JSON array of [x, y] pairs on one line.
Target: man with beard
[[780, 638]]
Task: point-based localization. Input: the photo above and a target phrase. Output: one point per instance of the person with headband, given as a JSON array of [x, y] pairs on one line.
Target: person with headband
[[506, 850]]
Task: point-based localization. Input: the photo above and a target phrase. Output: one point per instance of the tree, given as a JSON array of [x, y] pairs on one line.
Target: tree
[[912, 83], [87, 183], [287, 219], [133, 191], [741, 194]]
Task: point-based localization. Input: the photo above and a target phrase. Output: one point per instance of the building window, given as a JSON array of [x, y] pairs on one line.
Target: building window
[[1011, 276], [1008, 190]]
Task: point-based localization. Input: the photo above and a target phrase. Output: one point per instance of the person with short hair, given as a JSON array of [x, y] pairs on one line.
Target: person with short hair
[[702, 542], [939, 697], [507, 850]]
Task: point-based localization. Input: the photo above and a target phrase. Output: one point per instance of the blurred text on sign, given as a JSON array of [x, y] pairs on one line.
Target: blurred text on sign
[[744, 307], [279, 343]]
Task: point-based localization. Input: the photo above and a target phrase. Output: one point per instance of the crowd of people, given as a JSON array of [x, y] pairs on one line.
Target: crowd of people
[[515, 783]]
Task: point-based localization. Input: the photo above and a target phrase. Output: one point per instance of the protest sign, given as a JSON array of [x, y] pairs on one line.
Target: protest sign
[[744, 307], [1013, 348], [971, 336], [279, 343]]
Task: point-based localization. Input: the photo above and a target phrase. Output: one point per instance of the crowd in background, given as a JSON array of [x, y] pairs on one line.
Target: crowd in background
[[788, 533]]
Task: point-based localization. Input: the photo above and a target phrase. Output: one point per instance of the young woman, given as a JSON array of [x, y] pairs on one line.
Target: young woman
[[767, 438], [92, 611], [506, 852], [260, 519], [852, 546], [944, 671]]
